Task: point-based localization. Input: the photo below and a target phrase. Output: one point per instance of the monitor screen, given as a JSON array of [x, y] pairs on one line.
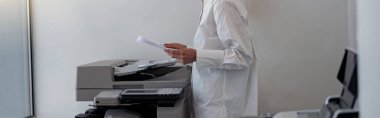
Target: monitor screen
[[353, 85], [351, 62], [348, 77], [347, 99], [348, 67], [342, 69]]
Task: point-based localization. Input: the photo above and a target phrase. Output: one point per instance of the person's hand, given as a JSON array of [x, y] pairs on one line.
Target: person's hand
[[175, 46], [183, 54]]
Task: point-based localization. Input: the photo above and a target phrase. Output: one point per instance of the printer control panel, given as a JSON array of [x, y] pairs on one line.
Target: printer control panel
[[169, 91], [152, 94]]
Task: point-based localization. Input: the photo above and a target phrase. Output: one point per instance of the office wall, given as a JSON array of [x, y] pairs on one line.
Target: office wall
[[352, 25], [68, 33], [299, 44], [368, 17]]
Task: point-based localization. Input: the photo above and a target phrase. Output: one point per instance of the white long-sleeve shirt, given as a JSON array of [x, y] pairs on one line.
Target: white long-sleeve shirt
[[224, 74]]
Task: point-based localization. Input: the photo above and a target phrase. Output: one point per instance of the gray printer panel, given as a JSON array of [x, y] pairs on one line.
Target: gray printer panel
[[94, 77], [98, 74], [87, 94]]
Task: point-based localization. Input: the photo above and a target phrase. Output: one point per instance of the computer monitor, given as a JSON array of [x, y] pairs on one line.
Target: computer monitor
[[348, 67], [342, 69], [353, 86], [351, 63], [347, 75]]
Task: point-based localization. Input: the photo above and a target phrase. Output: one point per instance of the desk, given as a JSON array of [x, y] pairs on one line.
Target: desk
[[295, 114]]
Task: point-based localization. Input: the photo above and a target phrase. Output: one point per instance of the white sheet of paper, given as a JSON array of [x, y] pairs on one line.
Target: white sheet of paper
[[153, 43]]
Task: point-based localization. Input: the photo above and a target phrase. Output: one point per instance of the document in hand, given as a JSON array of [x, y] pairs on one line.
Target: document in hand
[[141, 39]]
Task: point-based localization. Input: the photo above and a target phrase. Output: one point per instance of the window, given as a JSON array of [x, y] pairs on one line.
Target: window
[[15, 67]]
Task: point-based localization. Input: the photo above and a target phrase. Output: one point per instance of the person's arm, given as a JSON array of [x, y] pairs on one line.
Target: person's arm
[[234, 35]]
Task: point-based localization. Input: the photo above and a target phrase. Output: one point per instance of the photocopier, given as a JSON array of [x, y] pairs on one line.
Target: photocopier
[[135, 89]]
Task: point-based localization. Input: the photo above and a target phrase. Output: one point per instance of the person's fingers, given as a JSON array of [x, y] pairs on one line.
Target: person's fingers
[[174, 45], [170, 45], [170, 54], [174, 53], [179, 60], [182, 61], [183, 54], [168, 50], [186, 56]]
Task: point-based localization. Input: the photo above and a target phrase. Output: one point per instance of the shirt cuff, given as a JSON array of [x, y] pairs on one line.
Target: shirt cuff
[[210, 58]]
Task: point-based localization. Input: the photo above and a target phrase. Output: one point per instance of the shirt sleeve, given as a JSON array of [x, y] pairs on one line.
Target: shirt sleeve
[[233, 32]]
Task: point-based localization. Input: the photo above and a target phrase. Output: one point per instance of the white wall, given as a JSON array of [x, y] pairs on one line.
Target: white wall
[[299, 43], [352, 42], [368, 17], [68, 33]]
